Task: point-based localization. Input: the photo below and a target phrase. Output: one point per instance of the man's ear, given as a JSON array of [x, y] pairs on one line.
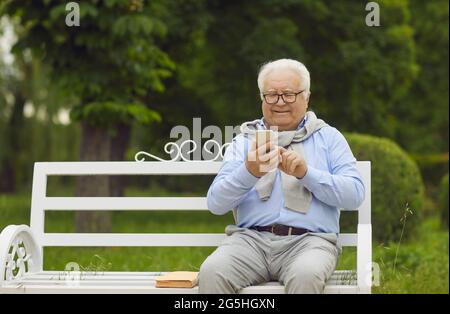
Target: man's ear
[[307, 99]]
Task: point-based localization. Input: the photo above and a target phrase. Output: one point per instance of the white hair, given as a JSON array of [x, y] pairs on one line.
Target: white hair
[[285, 64]]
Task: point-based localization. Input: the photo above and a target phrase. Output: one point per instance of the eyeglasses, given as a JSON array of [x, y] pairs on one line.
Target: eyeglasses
[[288, 98]]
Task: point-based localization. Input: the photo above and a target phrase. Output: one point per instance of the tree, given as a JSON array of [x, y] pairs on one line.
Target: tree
[[110, 63], [424, 128], [30, 129], [15, 89], [358, 72]]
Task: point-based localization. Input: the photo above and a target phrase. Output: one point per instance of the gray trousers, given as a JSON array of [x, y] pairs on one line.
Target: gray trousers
[[248, 257]]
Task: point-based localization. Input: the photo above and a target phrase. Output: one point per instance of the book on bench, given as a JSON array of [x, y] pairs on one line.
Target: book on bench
[[177, 279]]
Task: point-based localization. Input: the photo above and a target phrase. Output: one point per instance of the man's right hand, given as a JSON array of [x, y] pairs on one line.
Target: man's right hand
[[262, 160]]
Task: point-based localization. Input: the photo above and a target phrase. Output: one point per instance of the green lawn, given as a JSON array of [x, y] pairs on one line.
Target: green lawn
[[421, 264]]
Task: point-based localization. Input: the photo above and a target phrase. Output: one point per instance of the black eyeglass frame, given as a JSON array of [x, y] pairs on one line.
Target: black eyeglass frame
[[282, 97]]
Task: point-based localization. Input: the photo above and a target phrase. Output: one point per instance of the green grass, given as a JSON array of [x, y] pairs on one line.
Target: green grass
[[421, 264]]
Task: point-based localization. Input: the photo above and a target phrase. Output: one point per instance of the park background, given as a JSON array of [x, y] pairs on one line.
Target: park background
[[134, 69]]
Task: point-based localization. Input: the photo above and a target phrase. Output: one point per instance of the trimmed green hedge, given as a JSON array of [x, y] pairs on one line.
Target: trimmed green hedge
[[396, 186], [443, 200]]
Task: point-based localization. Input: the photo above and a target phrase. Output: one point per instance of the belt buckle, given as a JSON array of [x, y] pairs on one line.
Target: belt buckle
[[275, 228]]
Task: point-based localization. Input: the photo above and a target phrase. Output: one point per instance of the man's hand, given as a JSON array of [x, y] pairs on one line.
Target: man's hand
[[292, 163], [263, 159]]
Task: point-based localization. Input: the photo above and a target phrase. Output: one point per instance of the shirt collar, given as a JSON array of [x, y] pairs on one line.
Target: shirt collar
[[300, 125]]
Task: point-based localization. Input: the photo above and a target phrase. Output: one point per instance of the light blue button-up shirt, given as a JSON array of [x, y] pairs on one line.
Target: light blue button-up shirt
[[331, 177]]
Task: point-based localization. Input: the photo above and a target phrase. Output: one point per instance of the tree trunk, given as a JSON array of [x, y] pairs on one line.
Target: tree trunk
[[8, 175], [119, 145], [12, 147], [95, 146]]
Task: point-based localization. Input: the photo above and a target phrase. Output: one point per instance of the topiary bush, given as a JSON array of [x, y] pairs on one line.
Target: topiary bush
[[443, 201], [396, 186]]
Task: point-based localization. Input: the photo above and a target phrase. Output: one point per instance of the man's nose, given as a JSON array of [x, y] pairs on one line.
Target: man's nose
[[280, 100]]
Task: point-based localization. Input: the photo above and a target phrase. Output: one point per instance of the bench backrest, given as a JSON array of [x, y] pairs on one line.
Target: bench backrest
[[41, 203]]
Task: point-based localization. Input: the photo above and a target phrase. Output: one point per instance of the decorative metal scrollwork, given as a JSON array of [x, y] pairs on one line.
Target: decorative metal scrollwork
[[172, 147], [18, 260]]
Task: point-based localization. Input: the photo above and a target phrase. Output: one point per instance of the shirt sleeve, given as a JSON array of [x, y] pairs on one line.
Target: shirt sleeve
[[341, 187], [233, 181]]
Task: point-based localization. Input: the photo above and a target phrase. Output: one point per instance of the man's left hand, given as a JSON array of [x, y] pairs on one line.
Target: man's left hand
[[292, 163]]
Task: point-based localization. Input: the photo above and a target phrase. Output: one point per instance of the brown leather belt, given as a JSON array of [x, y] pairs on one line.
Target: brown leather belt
[[281, 230]]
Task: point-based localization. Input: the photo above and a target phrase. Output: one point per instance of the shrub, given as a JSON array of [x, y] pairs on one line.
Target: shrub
[[396, 185]]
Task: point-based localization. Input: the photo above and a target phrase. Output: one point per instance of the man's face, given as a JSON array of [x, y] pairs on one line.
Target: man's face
[[286, 116]]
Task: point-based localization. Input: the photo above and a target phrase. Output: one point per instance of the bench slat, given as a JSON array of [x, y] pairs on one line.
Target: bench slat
[[131, 239], [125, 203], [125, 282], [338, 275], [128, 203], [129, 168], [140, 282], [149, 239], [131, 289]]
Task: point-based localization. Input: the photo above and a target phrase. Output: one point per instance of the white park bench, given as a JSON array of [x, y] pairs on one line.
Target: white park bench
[[21, 247]]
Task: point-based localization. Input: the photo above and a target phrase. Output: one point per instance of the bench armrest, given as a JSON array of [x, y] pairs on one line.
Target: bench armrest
[[364, 258], [19, 253]]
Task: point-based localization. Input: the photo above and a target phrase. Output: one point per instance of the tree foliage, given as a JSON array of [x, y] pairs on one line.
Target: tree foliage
[[424, 128], [358, 72], [111, 61]]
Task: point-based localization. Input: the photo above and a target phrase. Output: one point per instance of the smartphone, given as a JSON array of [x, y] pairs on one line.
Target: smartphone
[[264, 136]]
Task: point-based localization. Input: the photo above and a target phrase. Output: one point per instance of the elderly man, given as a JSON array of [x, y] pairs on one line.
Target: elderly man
[[286, 193]]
